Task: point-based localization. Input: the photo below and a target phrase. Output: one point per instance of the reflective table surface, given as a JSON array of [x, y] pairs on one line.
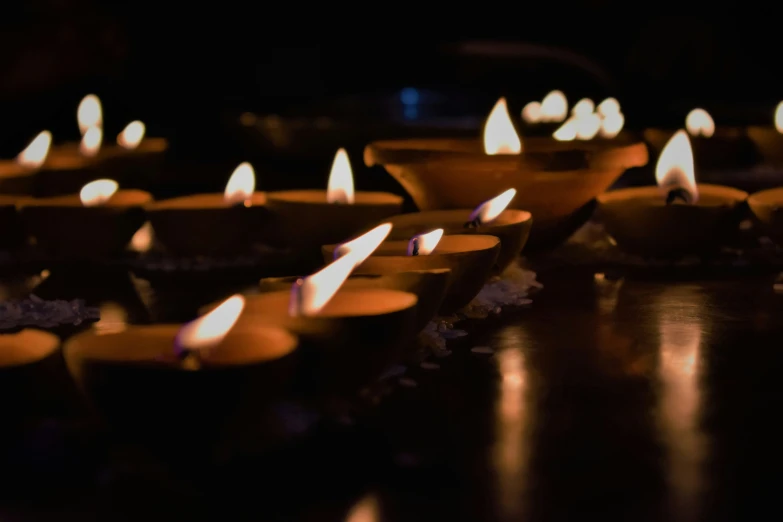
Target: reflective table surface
[[628, 399]]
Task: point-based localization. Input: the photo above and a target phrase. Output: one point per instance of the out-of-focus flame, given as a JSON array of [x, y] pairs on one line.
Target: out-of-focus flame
[[500, 137], [365, 510], [554, 107], [587, 126], [424, 244], [779, 117], [91, 142], [700, 123], [34, 155], [98, 192], [364, 245], [612, 124], [142, 239], [339, 189], [531, 113], [210, 329], [492, 208], [675, 166], [131, 135], [608, 106], [241, 185], [583, 107], [89, 113], [567, 131]]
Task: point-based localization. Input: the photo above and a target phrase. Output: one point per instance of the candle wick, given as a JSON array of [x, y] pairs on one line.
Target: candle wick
[[678, 194], [415, 246], [189, 359], [475, 223], [297, 298]]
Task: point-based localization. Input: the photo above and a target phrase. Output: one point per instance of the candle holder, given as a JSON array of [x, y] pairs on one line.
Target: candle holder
[[64, 174], [147, 393], [769, 144], [469, 257], [68, 230], [512, 227], [307, 220], [642, 222], [137, 167], [16, 178], [767, 208], [554, 181], [349, 342], [12, 234], [728, 147], [207, 224], [429, 286]]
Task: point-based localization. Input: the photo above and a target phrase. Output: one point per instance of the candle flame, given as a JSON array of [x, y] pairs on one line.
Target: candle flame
[[424, 244], [365, 510], [675, 166], [500, 137], [587, 126], [143, 238], [91, 142], [365, 244], [700, 123], [34, 155], [554, 107], [339, 189], [567, 131], [89, 113], [491, 209], [531, 113], [241, 185], [210, 329], [98, 192], [779, 117], [131, 135], [583, 107], [608, 106], [612, 124]]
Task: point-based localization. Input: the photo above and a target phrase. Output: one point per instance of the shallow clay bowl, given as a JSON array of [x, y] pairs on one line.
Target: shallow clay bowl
[[146, 394], [429, 286], [727, 148], [642, 223], [203, 224], [16, 179], [769, 144], [469, 257], [350, 342], [12, 232], [512, 227], [767, 207], [65, 174], [66, 229], [553, 184]]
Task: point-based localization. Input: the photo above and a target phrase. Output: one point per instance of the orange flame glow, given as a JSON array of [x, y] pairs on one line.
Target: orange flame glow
[[531, 113], [612, 124], [210, 329], [490, 210], [567, 131], [143, 238], [241, 185], [583, 107], [364, 245], [500, 137], [700, 123], [131, 135], [339, 188], [34, 155], [98, 192], [554, 107], [608, 106], [675, 166], [779, 117], [424, 244], [91, 142], [89, 113]]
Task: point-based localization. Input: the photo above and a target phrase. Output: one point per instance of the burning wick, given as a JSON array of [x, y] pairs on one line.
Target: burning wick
[[490, 210], [413, 247], [678, 193], [424, 244], [206, 332]]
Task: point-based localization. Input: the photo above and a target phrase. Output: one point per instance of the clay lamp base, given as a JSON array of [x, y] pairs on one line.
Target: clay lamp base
[[769, 144], [12, 234], [642, 223], [767, 208], [67, 229], [135, 167], [145, 391], [727, 148], [469, 257], [512, 227], [62, 175], [429, 286]]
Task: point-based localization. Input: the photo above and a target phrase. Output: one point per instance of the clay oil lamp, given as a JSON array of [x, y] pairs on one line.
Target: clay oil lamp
[[769, 139], [676, 218], [214, 224], [491, 218], [17, 176], [469, 257], [767, 208], [181, 387], [713, 147], [541, 118], [311, 218], [97, 222], [348, 335], [556, 184], [136, 159]]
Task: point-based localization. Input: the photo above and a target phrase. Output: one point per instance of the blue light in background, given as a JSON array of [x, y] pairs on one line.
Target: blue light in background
[[411, 112], [409, 96]]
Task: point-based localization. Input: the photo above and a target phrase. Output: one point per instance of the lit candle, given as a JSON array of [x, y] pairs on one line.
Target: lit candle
[[17, 176]]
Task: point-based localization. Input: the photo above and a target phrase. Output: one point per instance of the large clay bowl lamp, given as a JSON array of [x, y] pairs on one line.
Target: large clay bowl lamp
[[552, 184], [678, 217], [767, 207], [769, 139], [17, 176], [180, 388]]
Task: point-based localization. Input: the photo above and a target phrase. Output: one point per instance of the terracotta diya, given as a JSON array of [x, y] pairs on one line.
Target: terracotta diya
[[311, 218], [136, 158], [676, 218], [469, 257], [490, 218], [769, 139], [17, 175], [179, 386], [555, 181], [97, 222], [713, 147], [214, 224], [767, 208], [12, 232]]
